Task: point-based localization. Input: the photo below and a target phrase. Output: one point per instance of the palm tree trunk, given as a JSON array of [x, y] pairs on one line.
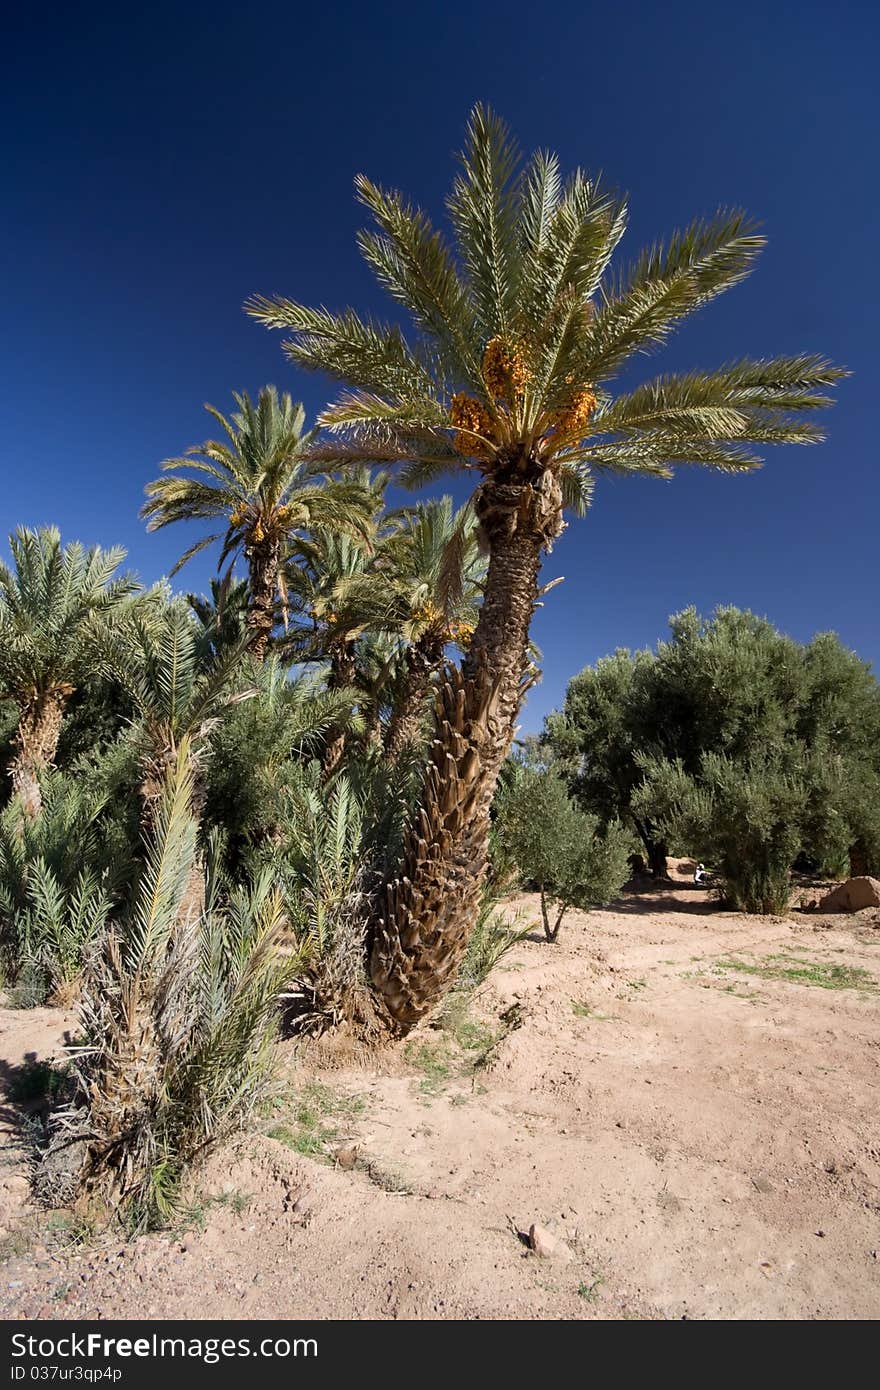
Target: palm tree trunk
[[405, 725], [343, 673], [431, 906], [36, 743], [859, 865], [264, 564]]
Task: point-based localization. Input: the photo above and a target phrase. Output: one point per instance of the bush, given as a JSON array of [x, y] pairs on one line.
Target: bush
[[734, 686], [745, 818], [558, 847], [324, 871]]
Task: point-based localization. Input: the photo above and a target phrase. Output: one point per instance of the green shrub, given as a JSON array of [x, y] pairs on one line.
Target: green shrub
[[557, 847], [745, 818]]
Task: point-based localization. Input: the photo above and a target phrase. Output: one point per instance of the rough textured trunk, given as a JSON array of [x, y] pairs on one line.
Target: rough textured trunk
[[658, 852], [431, 906], [551, 929], [36, 743], [859, 866], [405, 725], [264, 564], [373, 730], [343, 671]]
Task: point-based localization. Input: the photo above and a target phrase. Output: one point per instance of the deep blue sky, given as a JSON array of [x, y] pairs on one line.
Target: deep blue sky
[[162, 163]]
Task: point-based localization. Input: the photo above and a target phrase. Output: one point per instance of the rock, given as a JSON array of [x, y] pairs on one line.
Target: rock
[[548, 1246], [852, 896]]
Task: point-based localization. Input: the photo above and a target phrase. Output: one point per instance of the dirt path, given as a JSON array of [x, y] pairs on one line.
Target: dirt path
[[669, 1089]]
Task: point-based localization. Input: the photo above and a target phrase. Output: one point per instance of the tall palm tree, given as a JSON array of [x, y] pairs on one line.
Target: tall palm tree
[[55, 602], [519, 334], [261, 483]]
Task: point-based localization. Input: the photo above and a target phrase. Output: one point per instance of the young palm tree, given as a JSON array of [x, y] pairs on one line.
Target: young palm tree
[[179, 1016], [223, 616], [436, 574], [325, 578], [265, 489], [179, 689], [55, 603], [519, 334]]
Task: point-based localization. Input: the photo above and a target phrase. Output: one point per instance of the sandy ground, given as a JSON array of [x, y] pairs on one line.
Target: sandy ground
[[704, 1140]]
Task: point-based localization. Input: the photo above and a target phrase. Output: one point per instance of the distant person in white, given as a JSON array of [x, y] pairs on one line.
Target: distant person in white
[[700, 873]]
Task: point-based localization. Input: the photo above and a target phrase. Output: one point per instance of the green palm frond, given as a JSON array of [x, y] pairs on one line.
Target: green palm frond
[[416, 266], [483, 210], [169, 857]]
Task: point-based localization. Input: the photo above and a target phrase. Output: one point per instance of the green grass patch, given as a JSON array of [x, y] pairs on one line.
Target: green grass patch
[[314, 1118], [463, 1046], [589, 1292], [791, 969], [194, 1217], [583, 1010], [435, 1063]]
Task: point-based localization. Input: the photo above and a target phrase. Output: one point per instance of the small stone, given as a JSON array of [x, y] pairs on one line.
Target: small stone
[[546, 1245]]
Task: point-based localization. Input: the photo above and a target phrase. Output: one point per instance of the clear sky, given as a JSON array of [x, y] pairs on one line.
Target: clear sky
[[163, 162]]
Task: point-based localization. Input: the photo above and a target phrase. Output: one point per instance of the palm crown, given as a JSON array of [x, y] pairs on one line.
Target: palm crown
[[520, 330], [56, 606], [262, 483], [51, 603]]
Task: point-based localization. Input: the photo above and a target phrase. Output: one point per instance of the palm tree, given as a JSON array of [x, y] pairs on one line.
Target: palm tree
[[435, 573], [179, 688], [519, 333], [55, 603], [265, 489], [326, 578], [180, 691], [223, 616]]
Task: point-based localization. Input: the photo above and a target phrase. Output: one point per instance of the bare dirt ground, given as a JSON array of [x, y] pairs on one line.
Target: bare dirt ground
[[671, 1090]]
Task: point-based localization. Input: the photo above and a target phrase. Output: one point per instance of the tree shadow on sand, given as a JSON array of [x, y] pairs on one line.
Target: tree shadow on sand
[[643, 897]]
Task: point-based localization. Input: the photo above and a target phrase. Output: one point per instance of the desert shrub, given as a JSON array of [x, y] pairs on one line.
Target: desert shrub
[[747, 818], [177, 1019], [559, 848]]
